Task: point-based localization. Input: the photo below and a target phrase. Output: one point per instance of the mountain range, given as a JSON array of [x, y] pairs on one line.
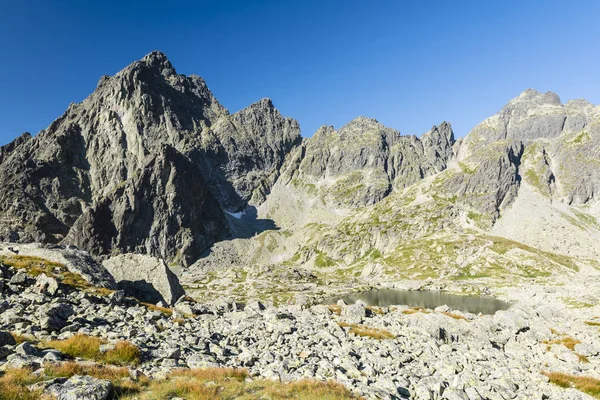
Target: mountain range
[[152, 163]]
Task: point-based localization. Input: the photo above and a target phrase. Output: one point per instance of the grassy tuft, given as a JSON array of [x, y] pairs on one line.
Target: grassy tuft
[[593, 323], [584, 384], [566, 341], [225, 383], [365, 331], [35, 266], [88, 347], [13, 385], [154, 307], [414, 310], [375, 310], [455, 316], [22, 338], [336, 309]]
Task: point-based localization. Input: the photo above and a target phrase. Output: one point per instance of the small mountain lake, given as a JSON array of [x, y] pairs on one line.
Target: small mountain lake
[[425, 299]]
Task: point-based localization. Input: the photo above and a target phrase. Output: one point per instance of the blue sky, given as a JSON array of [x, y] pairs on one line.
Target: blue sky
[[408, 64]]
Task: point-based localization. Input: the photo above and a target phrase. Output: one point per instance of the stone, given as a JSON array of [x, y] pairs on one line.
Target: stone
[[354, 313], [27, 349], [198, 360], [146, 278], [46, 285], [54, 317], [81, 388]]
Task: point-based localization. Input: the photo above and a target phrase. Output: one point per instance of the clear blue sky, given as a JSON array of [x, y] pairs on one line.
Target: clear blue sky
[[408, 64]]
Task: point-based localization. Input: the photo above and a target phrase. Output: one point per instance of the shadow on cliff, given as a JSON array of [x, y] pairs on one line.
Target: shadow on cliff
[[246, 224]]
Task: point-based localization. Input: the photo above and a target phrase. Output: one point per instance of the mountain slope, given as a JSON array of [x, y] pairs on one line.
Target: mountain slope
[[116, 166], [491, 206]]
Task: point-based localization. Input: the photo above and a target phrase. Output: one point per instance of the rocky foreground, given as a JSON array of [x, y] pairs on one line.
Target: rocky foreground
[[380, 353]]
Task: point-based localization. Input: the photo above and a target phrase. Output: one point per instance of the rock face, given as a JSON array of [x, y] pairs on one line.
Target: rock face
[[166, 211], [364, 161], [146, 278], [128, 153]]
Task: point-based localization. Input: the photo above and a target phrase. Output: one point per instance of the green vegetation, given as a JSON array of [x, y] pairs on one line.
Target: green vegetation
[[467, 169], [573, 303], [322, 261], [582, 137], [536, 180]]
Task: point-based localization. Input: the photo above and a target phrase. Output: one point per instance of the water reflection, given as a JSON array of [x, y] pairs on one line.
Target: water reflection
[[426, 299]]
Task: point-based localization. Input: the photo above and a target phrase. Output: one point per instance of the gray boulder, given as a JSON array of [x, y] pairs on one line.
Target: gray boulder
[[145, 278], [81, 388], [54, 317], [46, 285]]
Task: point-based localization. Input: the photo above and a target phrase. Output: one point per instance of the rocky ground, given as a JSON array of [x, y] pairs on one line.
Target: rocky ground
[[390, 353]]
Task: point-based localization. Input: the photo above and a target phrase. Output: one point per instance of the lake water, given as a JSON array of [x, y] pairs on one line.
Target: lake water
[[426, 299]]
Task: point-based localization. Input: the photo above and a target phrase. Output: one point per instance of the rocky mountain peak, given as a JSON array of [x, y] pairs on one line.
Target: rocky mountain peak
[[158, 60], [532, 96]]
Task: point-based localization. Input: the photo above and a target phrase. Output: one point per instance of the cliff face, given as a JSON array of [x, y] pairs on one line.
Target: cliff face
[[147, 163]]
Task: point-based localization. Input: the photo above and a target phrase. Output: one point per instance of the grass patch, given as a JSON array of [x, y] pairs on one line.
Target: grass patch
[[35, 266], [336, 309], [574, 303], [582, 358], [365, 331], [88, 347], [200, 384], [414, 310], [455, 316], [226, 383], [592, 323], [154, 307], [22, 338], [375, 310], [584, 384], [566, 341], [13, 385]]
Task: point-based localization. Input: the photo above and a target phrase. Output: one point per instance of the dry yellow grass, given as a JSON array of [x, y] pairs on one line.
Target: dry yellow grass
[[154, 307], [566, 341], [336, 309], [365, 331], [88, 347], [582, 358], [35, 266], [375, 310], [415, 310], [593, 323], [13, 385], [22, 338], [229, 384], [584, 384], [200, 384], [455, 316]]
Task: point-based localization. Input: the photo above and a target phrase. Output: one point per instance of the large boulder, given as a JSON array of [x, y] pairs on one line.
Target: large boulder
[[76, 261], [81, 388], [145, 278], [55, 316]]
